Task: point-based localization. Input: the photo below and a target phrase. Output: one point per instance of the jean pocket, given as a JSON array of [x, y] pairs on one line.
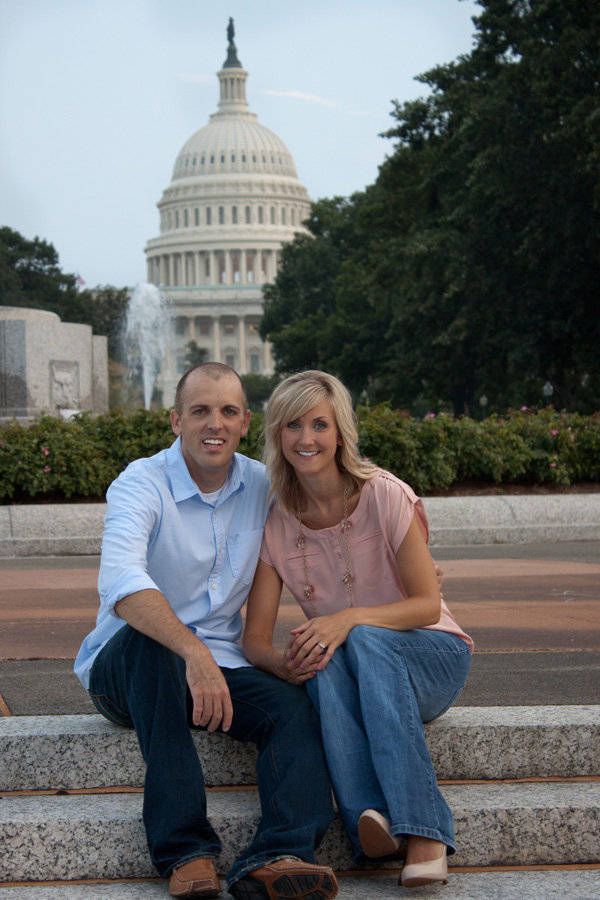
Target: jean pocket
[[110, 710]]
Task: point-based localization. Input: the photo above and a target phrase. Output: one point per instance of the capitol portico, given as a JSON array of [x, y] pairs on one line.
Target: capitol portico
[[234, 199]]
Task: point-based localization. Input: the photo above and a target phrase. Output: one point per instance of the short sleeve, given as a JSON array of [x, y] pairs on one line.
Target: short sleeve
[[271, 543], [397, 504]]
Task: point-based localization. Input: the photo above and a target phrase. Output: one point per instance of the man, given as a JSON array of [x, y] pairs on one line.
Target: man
[[182, 534]]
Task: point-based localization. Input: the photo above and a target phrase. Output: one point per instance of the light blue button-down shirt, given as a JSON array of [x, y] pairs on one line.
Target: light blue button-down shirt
[[160, 533]]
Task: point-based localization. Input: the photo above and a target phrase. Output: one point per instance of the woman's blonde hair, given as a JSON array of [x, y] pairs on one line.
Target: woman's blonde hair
[[290, 400]]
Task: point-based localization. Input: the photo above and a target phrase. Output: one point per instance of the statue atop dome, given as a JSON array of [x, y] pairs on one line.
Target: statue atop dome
[[232, 61]]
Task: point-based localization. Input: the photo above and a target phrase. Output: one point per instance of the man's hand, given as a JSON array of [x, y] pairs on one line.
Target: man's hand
[[210, 694], [150, 613]]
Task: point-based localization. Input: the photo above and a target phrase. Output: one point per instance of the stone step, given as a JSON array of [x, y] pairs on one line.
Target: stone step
[[578, 884], [53, 752], [102, 836]]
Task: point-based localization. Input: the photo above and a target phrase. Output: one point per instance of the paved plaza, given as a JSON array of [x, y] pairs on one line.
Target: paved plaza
[[533, 610]]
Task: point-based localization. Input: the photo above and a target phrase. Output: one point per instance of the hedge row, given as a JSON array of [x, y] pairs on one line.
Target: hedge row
[[55, 460]]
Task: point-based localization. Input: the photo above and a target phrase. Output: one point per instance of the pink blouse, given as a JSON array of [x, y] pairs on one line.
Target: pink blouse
[[378, 526]]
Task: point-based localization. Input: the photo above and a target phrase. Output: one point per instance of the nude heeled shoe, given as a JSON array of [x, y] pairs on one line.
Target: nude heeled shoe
[[418, 874], [375, 836]]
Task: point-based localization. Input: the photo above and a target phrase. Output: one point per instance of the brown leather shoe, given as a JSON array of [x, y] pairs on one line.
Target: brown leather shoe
[[195, 880], [287, 879]]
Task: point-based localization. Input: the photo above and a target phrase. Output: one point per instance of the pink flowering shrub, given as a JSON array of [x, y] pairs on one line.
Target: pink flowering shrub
[[55, 460]]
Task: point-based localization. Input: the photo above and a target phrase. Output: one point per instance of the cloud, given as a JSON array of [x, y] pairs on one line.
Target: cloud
[[310, 98]]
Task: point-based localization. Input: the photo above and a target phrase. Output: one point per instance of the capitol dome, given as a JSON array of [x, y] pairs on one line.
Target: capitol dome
[[233, 201], [234, 144]]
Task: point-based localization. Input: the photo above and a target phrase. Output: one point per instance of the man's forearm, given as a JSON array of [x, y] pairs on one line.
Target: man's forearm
[[149, 611]]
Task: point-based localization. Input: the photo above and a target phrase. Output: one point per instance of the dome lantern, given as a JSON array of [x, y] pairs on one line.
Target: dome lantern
[[232, 78]]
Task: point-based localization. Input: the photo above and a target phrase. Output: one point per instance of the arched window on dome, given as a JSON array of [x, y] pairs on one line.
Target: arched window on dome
[[196, 216], [186, 221], [221, 215], [234, 215], [176, 218], [248, 215], [233, 157], [243, 157], [254, 157], [236, 267], [283, 222], [222, 157], [212, 158], [261, 216], [202, 160], [272, 215], [208, 215], [293, 215]]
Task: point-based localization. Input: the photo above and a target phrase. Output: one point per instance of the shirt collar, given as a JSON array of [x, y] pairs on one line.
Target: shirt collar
[[184, 486]]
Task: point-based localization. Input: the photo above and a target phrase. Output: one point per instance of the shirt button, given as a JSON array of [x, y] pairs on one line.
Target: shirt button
[[214, 587]]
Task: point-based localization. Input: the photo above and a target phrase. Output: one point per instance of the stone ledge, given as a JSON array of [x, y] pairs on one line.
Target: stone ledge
[[102, 836], [579, 884], [54, 752], [75, 529]]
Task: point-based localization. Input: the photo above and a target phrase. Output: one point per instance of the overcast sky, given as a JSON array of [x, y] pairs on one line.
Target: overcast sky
[[97, 97]]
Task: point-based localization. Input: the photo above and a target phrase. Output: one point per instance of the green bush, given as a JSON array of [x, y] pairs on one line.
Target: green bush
[[55, 460]]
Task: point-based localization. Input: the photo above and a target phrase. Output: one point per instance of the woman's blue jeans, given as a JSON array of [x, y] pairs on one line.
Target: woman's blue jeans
[[373, 697], [139, 683]]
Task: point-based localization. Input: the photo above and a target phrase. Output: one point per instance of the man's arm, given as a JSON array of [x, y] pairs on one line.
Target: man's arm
[[148, 611]]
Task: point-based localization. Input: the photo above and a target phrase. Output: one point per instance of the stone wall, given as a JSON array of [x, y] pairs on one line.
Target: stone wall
[[49, 366]]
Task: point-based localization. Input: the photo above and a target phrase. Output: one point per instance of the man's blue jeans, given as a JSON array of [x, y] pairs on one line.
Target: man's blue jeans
[[373, 697], [139, 683]]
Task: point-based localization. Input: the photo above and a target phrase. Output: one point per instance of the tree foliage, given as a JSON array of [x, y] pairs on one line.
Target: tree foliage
[[471, 267], [30, 276]]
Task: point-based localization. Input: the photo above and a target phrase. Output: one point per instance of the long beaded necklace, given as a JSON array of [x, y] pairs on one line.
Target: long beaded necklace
[[347, 577]]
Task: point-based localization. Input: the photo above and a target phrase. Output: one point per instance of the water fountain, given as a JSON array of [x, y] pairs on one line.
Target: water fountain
[[147, 329]]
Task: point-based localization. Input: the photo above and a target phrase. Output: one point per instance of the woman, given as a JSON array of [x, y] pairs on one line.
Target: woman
[[380, 653]]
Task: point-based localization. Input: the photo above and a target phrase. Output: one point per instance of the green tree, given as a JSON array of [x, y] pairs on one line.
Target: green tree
[[106, 310], [258, 388], [30, 276], [471, 266], [194, 355]]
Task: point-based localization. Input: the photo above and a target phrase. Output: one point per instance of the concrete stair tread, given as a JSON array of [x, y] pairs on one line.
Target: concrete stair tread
[[578, 884], [466, 743], [102, 836]]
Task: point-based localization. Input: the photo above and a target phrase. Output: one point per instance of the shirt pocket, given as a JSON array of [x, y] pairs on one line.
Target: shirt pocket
[[243, 549]]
